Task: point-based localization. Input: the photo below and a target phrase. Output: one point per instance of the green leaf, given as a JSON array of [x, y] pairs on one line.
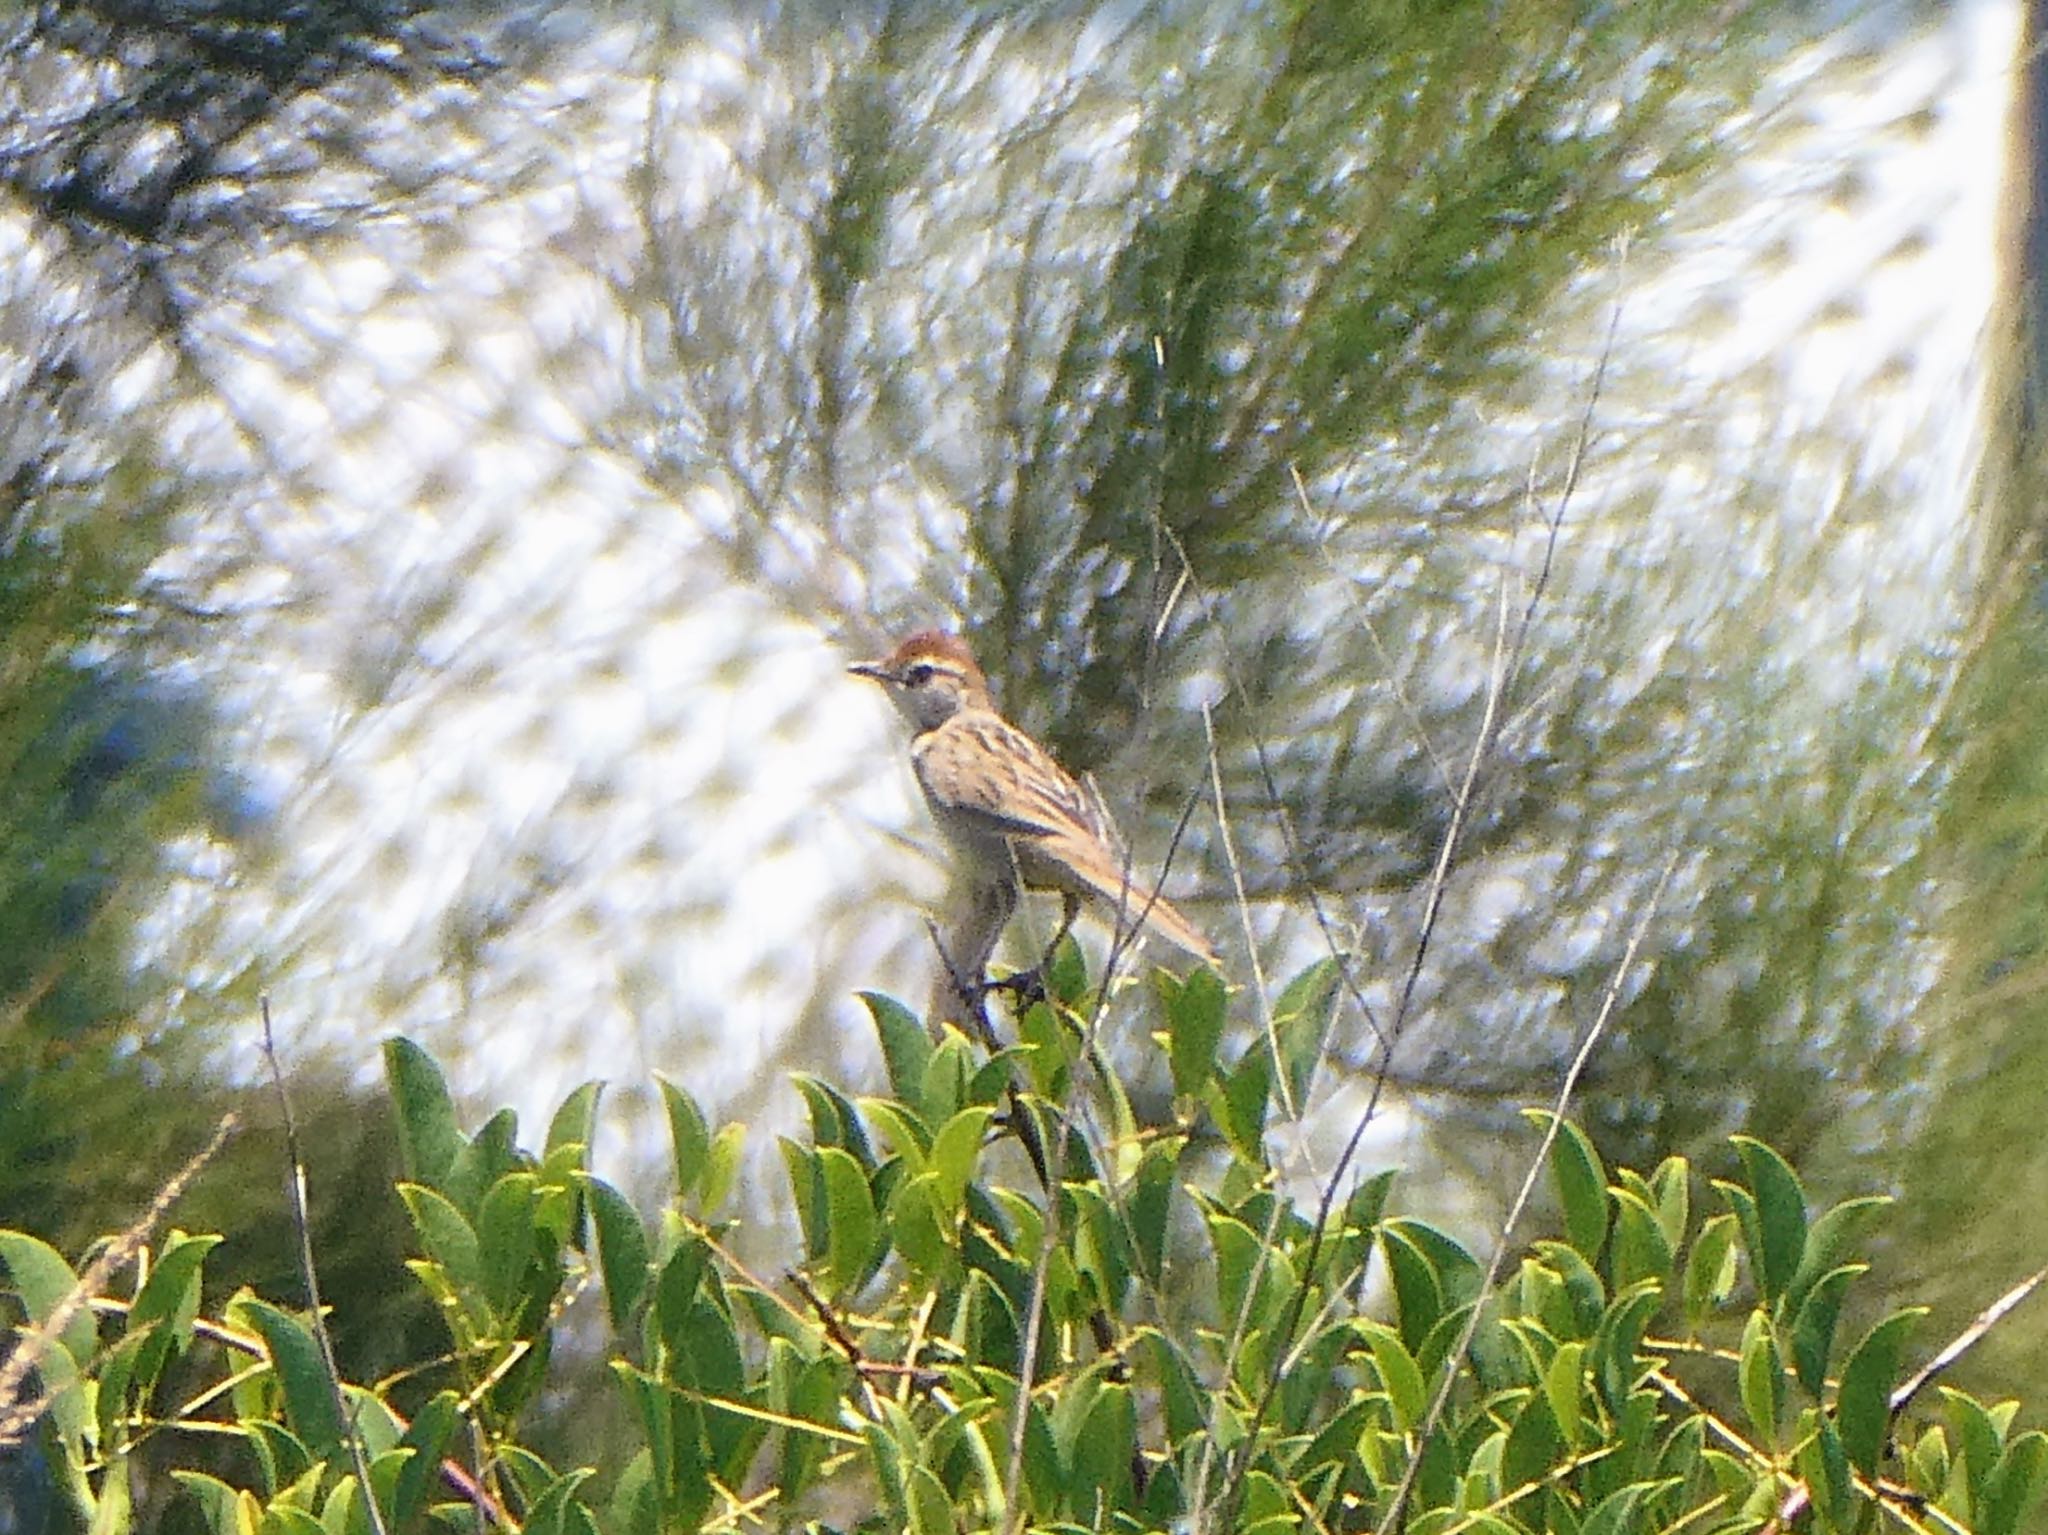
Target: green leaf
[[902, 1131], [169, 1302], [1195, 1013], [116, 1371], [482, 1160], [295, 1359], [1780, 1214], [1833, 1236], [1066, 975], [675, 1291], [285, 1460], [2015, 1486], [1582, 1288], [428, 1138], [1368, 1201], [946, 1075], [1581, 1185], [1826, 1470], [1100, 1459], [1760, 1378], [1243, 1260], [917, 1230], [1183, 1399], [508, 1245], [1978, 1445], [807, 1190], [1301, 1022], [1927, 1463], [1618, 1512], [447, 1237], [995, 1077], [1101, 1242], [1641, 1250], [340, 1515], [1400, 1376], [622, 1250], [815, 1389], [38, 1273], [850, 1246], [1238, 1103], [1564, 1386], [727, 1148], [1670, 1188], [1709, 1270], [552, 1512], [931, 1511], [689, 1137], [1813, 1328], [1418, 1295], [1532, 1445], [834, 1119], [1148, 1206], [1617, 1343], [956, 1149], [219, 1504], [575, 1122], [429, 1435], [906, 1045], [1863, 1404], [171, 1293]]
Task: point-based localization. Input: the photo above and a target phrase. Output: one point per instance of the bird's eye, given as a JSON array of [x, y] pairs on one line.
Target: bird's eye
[[917, 676]]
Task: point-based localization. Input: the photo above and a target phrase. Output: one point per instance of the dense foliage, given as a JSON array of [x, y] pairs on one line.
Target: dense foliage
[[1200, 1339]]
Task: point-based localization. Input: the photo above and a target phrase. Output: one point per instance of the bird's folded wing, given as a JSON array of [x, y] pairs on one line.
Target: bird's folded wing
[[983, 766]]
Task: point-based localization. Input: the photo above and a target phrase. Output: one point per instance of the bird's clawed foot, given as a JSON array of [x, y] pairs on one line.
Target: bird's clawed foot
[[1026, 986]]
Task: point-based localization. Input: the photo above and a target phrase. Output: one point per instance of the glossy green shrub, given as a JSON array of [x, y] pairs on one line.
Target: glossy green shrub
[[1164, 1340]]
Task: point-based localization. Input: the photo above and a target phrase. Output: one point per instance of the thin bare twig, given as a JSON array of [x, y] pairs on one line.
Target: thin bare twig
[[1965, 1340], [1454, 1358], [1801, 1497], [1244, 916], [841, 1339], [296, 1190], [1507, 662]]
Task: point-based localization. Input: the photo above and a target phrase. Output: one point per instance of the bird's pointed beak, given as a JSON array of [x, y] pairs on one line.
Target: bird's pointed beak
[[873, 669]]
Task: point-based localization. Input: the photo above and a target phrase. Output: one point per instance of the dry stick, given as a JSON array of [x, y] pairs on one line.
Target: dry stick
[[841, 1339], [1966, 1340], [1501, 677], [1298, 860], [1269, 780], [17, 1417], [296, 1186], [1439, 886], [1027, 1370], [1244, 916], [1411, 715], [1566, 1088], [1801, 1497]]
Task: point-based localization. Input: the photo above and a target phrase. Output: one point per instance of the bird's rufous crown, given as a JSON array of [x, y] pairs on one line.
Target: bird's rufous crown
[[934, 645]]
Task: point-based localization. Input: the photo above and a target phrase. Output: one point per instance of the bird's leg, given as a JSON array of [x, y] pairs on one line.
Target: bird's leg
[[1028, 986], [963, 983], [957, 990]]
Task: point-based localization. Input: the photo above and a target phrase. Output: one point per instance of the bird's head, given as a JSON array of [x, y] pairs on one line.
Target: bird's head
[[931, 677]]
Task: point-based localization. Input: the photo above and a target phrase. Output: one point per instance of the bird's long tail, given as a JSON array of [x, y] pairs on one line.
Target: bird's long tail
[[1121, 890]]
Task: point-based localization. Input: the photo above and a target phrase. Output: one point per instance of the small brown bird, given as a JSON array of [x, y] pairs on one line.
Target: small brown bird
[[1011, 814]]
